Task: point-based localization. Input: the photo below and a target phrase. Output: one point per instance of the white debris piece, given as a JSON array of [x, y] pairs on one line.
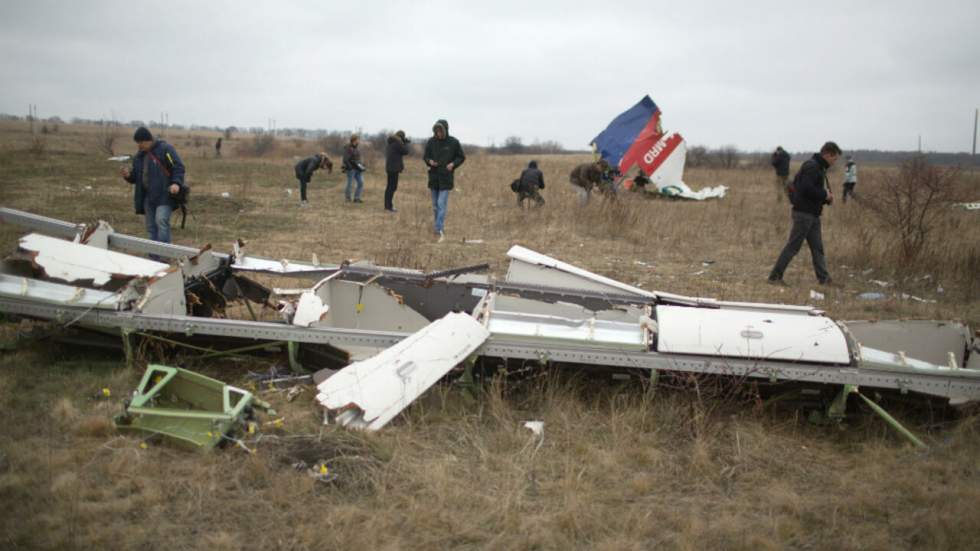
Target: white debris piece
[[369, 394], [537, 427], [815, 295], [70, 262], [309, 310]]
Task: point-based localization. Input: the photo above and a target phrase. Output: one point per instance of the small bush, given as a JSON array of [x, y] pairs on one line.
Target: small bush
[[260, 144], [911, 203]]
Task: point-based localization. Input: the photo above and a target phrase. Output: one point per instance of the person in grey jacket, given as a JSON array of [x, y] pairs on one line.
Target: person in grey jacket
[[305, 169], [395, 152]]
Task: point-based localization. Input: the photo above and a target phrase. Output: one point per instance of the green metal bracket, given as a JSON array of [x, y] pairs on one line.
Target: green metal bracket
[[294, 363], [838, 407], [127, 342], [466, 381], [891, 421], [191, 410]]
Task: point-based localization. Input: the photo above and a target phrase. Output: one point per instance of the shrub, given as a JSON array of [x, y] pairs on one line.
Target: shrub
[[260, 144], [911, 203], [106, 139]]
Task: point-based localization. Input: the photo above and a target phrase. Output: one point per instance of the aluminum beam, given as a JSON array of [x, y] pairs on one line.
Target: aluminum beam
[[959, 385]]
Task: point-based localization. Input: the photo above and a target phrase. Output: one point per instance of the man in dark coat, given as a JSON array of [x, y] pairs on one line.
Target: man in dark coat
[[530, 181], [809, 192], [306, 168], [395, 152], [157, 176], [443, 155], [780, 163]]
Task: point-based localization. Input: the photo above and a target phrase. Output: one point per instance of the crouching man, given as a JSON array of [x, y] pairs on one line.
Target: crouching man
[[527, 186], [588, 176], [157, 176]]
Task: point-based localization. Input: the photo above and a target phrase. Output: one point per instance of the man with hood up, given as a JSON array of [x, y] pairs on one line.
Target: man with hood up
[[780, 163], [443, 155], [528, 184], [157, 176]]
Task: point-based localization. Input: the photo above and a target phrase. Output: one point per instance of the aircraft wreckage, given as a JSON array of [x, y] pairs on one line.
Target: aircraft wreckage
[[398, 331]]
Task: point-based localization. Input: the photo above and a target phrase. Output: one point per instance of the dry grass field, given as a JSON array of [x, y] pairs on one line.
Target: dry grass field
[[621, 466]]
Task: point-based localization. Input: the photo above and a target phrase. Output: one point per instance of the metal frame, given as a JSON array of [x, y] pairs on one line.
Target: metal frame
[[959, 385]]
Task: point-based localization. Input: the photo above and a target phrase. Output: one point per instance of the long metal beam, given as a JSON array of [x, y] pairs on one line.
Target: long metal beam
[[958, 385]]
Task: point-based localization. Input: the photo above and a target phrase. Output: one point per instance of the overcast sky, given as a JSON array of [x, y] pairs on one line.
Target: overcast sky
[[755, 74]]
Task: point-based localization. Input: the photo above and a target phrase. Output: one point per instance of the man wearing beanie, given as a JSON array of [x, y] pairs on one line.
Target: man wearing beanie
[[157, 176], [443, 155]]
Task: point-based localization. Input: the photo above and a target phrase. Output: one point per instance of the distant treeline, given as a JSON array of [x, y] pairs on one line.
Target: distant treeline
[[333, 141]]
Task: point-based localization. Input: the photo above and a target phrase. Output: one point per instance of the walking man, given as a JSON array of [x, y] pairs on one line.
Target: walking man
[[530, 181], [780, 163], [850, 177], [157, 176], [305, 169], [395, 152], [217, 149], [443, 155], [809, 192], [354, 168]]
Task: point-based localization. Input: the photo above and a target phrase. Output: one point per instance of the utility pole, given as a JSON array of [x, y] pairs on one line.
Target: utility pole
[[920, 143], [976, 115]]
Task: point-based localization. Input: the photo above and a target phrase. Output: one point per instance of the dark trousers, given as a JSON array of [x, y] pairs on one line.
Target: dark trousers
[[849, 189], [806, 227], [529, 195], [390, 190], [302, 189]]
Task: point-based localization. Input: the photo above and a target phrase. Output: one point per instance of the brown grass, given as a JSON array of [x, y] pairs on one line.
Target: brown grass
[[620, 467]]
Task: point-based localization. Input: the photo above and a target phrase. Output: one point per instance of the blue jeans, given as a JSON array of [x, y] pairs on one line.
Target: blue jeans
[[440, 201], [158, 222], [351, 176]]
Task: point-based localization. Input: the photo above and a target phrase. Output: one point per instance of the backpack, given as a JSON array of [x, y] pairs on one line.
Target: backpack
[[515, 186], [791, 187], [181, 198]]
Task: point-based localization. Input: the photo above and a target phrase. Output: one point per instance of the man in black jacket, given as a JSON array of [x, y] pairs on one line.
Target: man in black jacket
[[395, 152], [530, 181], [443, 155], [780, 163], [157, 176], [809, 192], [306, 168]]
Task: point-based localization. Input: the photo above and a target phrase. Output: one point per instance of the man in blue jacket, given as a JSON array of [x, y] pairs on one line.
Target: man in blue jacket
[[443, 155], [157, 176], [809, 192]]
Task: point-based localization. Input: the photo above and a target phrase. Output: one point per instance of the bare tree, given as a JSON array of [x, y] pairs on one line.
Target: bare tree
[[912, 202], [697, 156], [727, 156]]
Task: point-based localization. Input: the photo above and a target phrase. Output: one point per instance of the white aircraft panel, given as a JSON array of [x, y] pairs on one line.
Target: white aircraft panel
[[749, 334]]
